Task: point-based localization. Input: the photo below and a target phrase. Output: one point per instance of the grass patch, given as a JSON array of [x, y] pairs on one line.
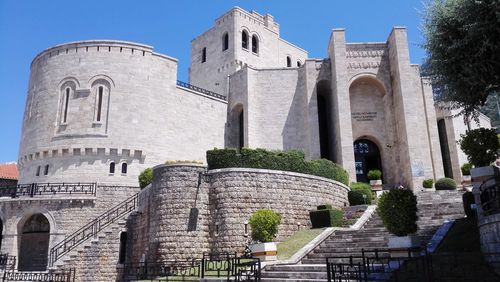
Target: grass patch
[[462, 237], [290, 246]]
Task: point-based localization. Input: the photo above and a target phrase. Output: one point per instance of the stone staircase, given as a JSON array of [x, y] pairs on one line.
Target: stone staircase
[[434, 208]]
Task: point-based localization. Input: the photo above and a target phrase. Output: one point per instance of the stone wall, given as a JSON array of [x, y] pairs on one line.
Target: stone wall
[[186, 212]]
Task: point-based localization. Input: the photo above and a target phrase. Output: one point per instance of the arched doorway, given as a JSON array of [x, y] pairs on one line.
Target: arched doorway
[[323, 93], [367, 157], [34, 246], [237, 124]]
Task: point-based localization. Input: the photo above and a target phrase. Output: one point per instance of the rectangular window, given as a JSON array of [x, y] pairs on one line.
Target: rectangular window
[[46, 171], [204, 55]]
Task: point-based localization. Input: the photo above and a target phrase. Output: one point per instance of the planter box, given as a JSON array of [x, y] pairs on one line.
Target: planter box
[[404, 246], [264, 251], [376, 185]]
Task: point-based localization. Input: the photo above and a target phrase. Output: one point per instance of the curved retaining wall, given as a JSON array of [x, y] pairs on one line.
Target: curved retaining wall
[[224, 201]]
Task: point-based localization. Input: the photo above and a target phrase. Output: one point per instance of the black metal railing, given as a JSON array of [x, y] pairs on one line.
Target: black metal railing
[[63, 276], [7, 262], [381, 265], [201, 90], [37, 189], [223, 266], [91, 229]]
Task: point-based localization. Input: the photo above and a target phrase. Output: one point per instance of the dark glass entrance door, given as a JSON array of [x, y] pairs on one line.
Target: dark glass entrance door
[[366, 157]]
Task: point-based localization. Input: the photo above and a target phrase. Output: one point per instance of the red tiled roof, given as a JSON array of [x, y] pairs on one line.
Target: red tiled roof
[[9, 171]]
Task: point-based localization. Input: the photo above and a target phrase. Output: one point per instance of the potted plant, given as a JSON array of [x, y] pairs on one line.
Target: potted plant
[[427, 183], [398, 211], [264, 224], [375, 177], [466, 179]]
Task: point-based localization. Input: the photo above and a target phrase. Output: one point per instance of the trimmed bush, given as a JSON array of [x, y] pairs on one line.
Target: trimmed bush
[[355, 196], [445, 184], [264, 224], [146, 177], [468, 199], [398, 211], [324, 207], [427, 183], [374, 174], [293, 160], [326, 218], [466, 167]]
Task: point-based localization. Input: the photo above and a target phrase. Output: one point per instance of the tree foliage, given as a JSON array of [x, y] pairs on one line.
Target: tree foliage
[[462, 39], [480, 145], [264, 224], [398, 211]]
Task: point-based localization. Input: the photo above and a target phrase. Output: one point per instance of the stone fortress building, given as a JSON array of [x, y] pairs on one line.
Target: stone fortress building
[[102, 111]]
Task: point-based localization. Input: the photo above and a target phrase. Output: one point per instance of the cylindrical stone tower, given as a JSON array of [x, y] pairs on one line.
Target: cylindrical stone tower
[[96, 112]]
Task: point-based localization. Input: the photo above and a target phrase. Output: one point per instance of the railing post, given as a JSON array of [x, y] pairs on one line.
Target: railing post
[[32, 189], [328, 271]]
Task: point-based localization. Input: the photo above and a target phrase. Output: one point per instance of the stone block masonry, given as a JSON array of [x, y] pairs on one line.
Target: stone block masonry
[[187, 211]]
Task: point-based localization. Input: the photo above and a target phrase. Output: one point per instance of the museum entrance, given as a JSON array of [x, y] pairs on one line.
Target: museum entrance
[[34, 244], [366, 158]]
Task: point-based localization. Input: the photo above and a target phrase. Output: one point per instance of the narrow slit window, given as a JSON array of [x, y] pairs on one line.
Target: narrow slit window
[[244, 40], [204, 54], [38, 171], [298, 64], [288, 61], [99, 103], [225, 41], [66, 103], [112, 167], [255, 44], [46, 170], [123, 247], [124, 168]]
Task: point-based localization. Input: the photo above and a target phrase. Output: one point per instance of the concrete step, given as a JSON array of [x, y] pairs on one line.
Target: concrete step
[[295, 274]]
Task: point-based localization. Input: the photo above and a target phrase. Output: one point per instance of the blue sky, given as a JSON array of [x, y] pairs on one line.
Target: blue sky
[[28, 27]]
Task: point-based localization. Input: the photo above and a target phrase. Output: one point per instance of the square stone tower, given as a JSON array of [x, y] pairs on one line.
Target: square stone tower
[[239, 38]]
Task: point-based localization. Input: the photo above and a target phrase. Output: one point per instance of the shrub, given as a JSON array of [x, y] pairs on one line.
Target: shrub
[[468, 199], [374, 174], [427, 183], [398, 211], [146, 177], [264, 224], [293, 160], [355, 196], [326, 218], [445, 184], [466, 167], [480, 145]]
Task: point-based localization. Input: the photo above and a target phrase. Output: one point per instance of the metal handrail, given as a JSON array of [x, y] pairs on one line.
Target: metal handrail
[[201, 90], [91, 229], [67, 275], [38, 189]]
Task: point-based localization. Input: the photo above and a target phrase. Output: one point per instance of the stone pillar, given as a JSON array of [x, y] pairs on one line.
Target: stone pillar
[[181, 203], [341, 106]]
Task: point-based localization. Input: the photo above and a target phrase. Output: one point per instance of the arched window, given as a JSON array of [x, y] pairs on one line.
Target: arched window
[[288, 61], [123, 247], [99, 102], [204, 54], [34, 245], [112, 167], [244, 39], [255, 44], [298, 64], [124, 168], [66, 104], [225, 41], [46, 170]]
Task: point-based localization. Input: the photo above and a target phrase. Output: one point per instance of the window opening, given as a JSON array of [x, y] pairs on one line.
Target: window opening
[[255, 44], [99, 103], [244, 40], [204, 54], [112, 167], [124, 168], [66, 102]]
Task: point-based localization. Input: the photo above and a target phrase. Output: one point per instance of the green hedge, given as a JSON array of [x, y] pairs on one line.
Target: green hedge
[[326, 218], [355, 196], [427, 183], [374, 174], [293, 160], [264, 224], [398, 211], [445, 184], [146, 177]]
